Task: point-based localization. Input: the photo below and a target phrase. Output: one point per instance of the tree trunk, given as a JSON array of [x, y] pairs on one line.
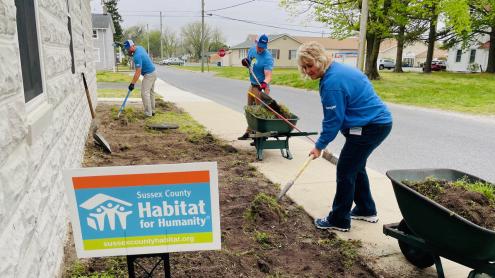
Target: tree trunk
[[432, 37], [372, 70], [400, 48], [370, 39], [491, 53]]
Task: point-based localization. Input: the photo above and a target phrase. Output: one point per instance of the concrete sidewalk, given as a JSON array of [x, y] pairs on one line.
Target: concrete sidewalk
[[315, 189]]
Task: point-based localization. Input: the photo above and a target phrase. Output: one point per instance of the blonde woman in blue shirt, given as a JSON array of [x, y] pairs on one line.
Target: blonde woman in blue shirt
[[351, 106]]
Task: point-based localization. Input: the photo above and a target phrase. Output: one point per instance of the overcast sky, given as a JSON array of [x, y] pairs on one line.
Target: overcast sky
[[178, 13]]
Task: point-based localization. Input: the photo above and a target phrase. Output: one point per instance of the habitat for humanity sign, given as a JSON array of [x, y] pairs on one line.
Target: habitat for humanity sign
[[144, 209]]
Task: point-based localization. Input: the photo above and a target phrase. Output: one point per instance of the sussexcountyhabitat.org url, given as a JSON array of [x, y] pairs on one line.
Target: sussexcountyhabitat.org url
[[149, 241]]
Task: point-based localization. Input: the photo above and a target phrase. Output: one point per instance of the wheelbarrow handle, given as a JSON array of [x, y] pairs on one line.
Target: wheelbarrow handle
[[291, 182], [123, 103]]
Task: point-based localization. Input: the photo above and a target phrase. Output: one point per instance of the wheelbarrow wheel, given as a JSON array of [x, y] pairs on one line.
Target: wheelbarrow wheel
[[418, 257]]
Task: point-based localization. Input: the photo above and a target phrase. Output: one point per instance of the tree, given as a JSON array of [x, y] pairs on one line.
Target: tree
[[191, 38], [342, 18], [217, 41], [170, 42], [111, 7]]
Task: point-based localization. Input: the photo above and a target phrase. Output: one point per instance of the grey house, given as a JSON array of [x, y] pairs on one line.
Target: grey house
[[103, 31]]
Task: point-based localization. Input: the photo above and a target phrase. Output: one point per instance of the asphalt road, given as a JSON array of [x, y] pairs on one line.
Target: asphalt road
[[420, 138]]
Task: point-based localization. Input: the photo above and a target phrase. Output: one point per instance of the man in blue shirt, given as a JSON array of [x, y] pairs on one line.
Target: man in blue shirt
[[261, 61], [144, 66]]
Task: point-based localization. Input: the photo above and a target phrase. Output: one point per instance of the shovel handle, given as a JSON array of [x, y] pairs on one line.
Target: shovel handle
[[291, 182], [123, 103]]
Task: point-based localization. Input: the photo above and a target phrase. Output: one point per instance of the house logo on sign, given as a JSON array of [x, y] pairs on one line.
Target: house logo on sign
[[104, 208]]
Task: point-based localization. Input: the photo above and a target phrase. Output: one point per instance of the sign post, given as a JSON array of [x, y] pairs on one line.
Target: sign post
[[151, 209]]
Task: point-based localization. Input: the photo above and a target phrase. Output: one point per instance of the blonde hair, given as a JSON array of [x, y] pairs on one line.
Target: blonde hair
[[313, 52]]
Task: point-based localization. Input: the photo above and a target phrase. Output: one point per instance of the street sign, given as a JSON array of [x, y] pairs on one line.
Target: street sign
[[221, 52], [131, 210]]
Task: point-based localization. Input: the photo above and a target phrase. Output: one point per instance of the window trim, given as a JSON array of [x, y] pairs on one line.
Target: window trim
[[471, 56], [40, 99], [458, 56]]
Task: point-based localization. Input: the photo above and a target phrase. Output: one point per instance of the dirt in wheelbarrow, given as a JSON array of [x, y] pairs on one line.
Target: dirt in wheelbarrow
[[260, 237], [473, 201]]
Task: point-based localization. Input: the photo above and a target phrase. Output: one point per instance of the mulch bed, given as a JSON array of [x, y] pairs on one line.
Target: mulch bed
[[260, 238]]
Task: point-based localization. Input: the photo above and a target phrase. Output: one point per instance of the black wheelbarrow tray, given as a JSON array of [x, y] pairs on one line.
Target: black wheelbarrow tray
[[430, 231], [272, 134]]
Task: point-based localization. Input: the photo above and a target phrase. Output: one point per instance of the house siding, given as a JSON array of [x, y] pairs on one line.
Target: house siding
[[104, 45], [38, 141], [462, 66]]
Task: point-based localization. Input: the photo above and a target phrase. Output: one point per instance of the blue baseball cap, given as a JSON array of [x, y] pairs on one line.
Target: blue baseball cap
[[262, 41], [128, 44]]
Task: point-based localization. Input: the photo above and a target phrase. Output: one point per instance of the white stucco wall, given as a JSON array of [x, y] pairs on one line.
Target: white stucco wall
[[40, 138]]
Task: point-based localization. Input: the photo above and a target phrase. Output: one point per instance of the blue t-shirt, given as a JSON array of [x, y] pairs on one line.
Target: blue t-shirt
[[348, 100], [143, 61], [260, 63]]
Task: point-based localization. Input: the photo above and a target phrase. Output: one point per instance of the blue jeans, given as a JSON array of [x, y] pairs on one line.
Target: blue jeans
[[352, 179]]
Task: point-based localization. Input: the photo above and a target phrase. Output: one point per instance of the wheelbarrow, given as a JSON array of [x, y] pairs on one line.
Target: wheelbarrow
[[272, 134], [430, 231]]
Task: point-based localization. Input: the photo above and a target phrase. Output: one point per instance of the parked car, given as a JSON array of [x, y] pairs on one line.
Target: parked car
[[175, 61], [172, 61], [386, 64], [436, 65]]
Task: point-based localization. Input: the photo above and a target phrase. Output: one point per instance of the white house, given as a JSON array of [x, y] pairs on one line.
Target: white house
[[476, 53], [45, 45], [103, 31]]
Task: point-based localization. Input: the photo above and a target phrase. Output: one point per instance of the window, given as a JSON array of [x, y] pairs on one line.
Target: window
[[292, 54], [458, 56], [71, 45], [27, 36], [243, 53], [95, 34], [275, 53], [472, 56]]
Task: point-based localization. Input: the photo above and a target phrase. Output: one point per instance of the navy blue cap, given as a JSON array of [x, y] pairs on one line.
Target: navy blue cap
[[262, 41]]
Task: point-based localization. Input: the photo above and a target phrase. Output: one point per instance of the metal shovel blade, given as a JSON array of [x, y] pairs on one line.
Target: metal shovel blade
[[102, 142]]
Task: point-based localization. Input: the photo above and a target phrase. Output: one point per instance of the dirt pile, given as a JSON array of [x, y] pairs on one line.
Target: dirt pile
[[473, 201]]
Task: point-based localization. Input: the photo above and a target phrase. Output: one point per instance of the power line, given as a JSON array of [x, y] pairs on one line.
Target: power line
[[228, 7], [267, 25]]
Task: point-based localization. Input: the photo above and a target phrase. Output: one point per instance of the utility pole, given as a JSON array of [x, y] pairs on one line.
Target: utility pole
[[148, 31], [161, 39], [202, 35], [362, 34]]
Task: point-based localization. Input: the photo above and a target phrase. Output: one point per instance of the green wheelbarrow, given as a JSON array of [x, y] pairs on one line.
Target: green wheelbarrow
[[272, 134], [430, 231]]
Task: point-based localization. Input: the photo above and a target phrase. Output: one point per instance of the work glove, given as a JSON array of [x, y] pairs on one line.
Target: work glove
[[245, 62], [263, 85], [131, 86]]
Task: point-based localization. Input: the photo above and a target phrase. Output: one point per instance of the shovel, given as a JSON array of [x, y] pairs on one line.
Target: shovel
[[291, 182], [264, 96], [94, 127], [123, 103]]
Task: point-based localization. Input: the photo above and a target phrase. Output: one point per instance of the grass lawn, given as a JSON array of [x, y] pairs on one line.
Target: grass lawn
[[112, 93], [108, 76], [461, 92]]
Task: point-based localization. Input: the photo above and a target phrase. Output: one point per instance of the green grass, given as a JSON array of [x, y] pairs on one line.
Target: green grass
[[461, 92], [113, 93], [108, 76], [486, 189], [194, 131]]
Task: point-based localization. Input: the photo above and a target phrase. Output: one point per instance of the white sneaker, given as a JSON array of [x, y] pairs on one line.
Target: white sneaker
[[371, 219]]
